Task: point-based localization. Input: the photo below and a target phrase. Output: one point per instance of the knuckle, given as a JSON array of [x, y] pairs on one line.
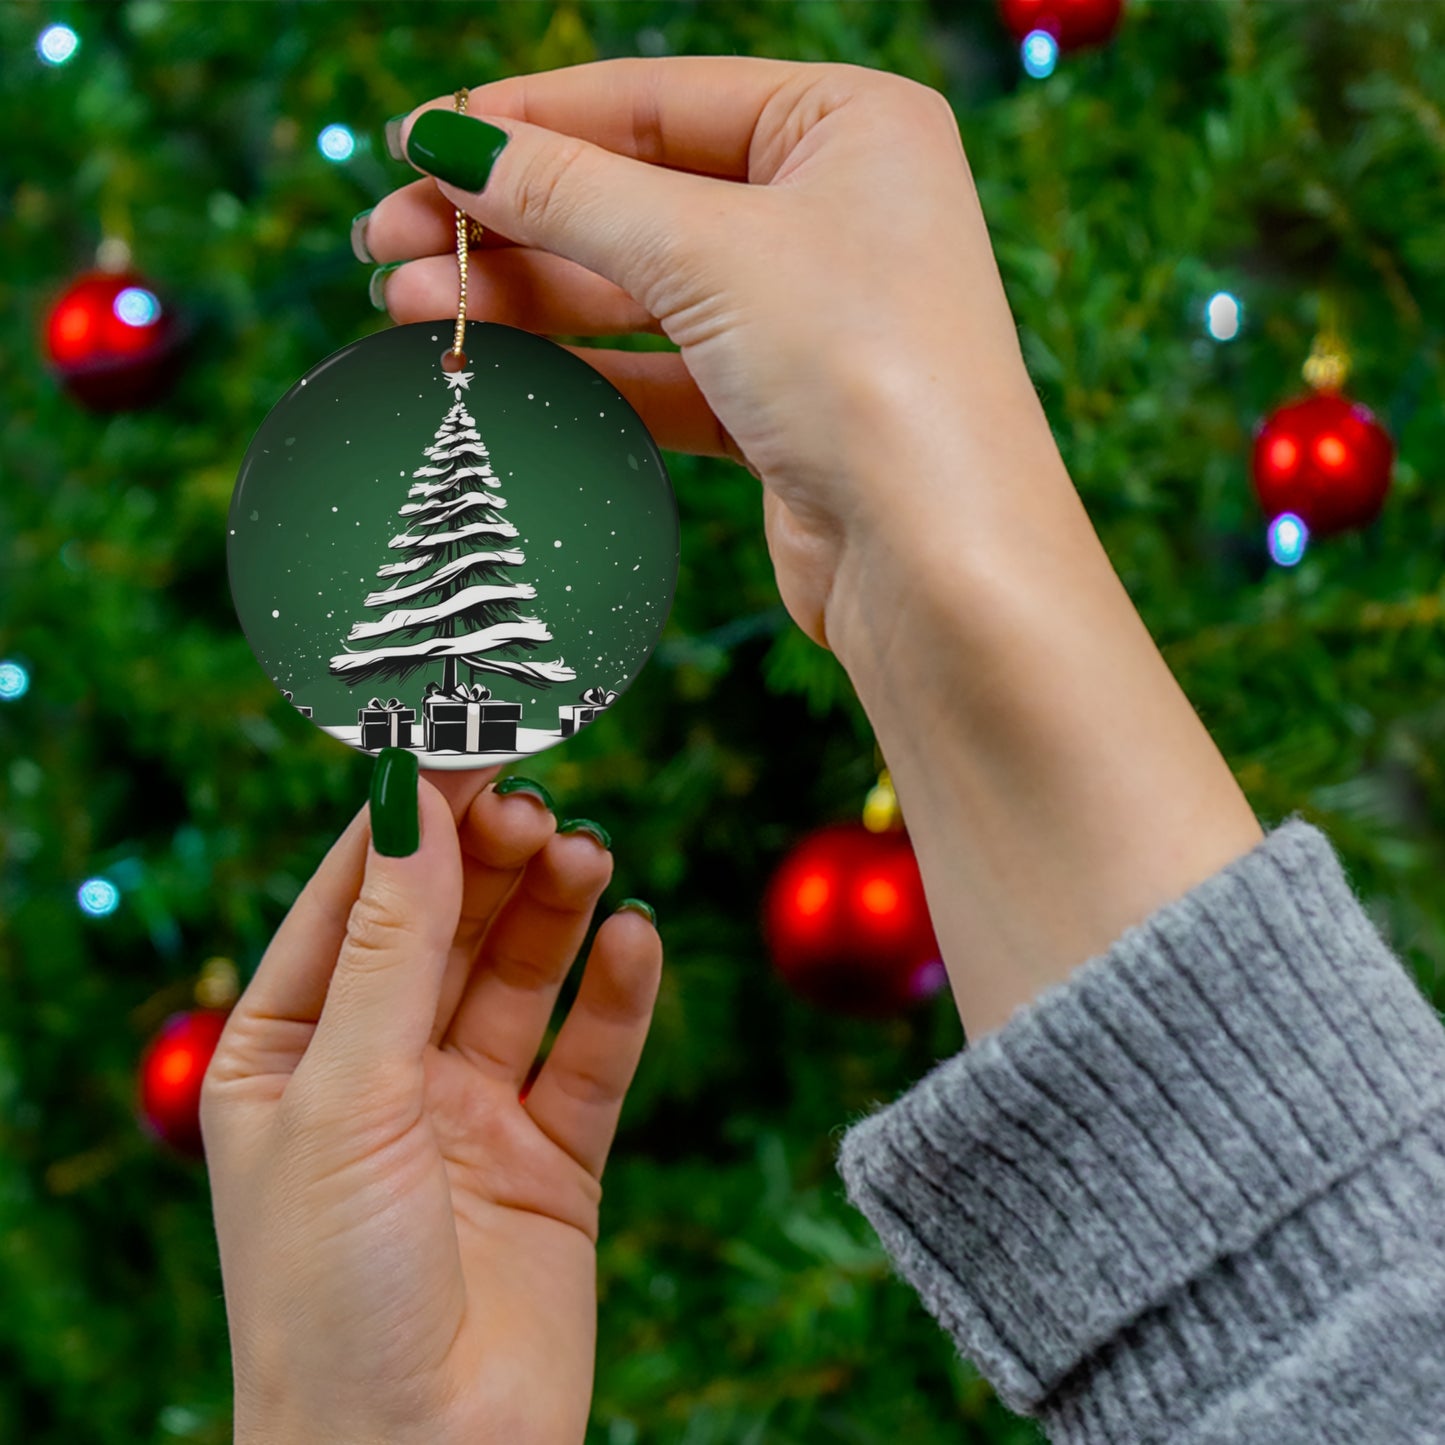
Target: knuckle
[[375, 933], [542, 186], [924, 101], [519, 970], [587, 1086]]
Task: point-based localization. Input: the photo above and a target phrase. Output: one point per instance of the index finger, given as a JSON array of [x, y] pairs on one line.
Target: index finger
[[696, 113]]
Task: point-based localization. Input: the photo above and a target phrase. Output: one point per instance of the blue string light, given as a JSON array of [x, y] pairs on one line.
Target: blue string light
[[1288, 537], [1223, 316], [14, 681], [136, 306], [98, 897], [1040, 52], [57, 44], [336, 143]]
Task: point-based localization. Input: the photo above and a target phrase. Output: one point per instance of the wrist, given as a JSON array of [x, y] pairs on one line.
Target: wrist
[[961, 491], [1056, 782]]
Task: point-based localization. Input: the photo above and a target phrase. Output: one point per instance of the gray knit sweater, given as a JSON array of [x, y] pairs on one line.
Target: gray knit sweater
[[1196, 1192]]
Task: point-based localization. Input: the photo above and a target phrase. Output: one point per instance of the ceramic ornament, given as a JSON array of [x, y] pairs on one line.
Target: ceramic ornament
[[473, 563]]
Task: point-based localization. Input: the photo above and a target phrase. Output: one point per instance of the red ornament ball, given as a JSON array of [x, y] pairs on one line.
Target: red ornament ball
[[847, 924], [1324, 458], [1073, 23], [171, 1072], [112, 341]]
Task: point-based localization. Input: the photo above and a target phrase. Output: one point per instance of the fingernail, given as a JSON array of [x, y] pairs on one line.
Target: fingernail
[[376, 287], [393, 136], [359, 248], [526, 785], [586, 825], [455, 148], [636, 905], [395, 813]]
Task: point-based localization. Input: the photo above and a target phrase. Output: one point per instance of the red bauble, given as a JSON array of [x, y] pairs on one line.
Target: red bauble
[[1073, 23], [1324, 458], [112, 341], [847, 923], [171, 1072]]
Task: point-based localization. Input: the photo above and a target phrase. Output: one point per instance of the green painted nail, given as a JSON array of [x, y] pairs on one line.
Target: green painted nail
[[455, 148], [376, 288], [533, 789], [359, 247], [393, 136], [636, 905], [395, 813], [586, 825]]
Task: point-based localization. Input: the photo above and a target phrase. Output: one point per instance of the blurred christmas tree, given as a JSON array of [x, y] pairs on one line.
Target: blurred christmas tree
[[1273, 155]]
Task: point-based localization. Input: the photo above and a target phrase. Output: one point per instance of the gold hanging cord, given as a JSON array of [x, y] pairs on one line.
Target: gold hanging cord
[[469, 232], [1328, 366]]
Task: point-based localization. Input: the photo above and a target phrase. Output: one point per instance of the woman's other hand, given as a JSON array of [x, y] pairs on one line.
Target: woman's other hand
[[408, 1246]]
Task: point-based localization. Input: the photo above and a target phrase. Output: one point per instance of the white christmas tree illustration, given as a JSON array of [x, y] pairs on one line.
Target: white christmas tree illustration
[[450, 601]]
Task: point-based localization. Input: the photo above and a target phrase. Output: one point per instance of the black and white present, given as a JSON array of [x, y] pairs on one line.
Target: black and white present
[[574, 716], [304, 711], [468, 720], [385, 724]]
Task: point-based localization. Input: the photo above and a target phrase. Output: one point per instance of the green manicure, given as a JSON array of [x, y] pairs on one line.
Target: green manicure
[[586, 825], [455, 148], [376, 288], [358, 236], [392, 132], [515, 784], [636, 905], [395, 812]]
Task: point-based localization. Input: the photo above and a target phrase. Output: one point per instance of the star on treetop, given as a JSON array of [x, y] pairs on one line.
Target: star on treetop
[[458, 380]]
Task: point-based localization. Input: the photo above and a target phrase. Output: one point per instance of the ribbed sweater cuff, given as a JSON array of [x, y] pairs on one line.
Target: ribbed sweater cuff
[[1141, 1166]]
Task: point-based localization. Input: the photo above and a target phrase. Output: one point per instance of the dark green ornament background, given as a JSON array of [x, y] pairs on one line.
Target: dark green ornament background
[[318, 494]]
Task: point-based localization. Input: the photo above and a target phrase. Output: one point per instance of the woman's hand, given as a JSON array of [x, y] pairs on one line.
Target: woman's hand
[[810, 237], [408, 1247], [840, 302]]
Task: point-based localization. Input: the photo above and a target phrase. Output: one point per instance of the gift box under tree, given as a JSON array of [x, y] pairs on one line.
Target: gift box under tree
[[574, 716], [385, 724], [468, 720], [304, 711]]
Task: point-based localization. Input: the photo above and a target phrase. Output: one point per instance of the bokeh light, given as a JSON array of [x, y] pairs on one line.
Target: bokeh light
[[1223, 316], [336, 143], [813, 894], [137, 307], [98, 897], [1288, 537], [1040, 52], [57, 44], [14, 681]]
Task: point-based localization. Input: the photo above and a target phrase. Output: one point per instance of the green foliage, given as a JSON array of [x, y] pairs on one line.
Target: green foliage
[[1285, 153]]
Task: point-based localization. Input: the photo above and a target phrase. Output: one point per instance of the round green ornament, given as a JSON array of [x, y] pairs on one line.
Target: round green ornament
[[472, 564]]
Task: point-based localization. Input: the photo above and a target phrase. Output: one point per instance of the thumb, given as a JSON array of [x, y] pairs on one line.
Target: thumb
[[382, 999], [628, 221]]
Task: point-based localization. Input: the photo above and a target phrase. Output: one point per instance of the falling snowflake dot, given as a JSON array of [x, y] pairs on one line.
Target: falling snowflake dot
[[274, 613], [333, 509], [556, 544]]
